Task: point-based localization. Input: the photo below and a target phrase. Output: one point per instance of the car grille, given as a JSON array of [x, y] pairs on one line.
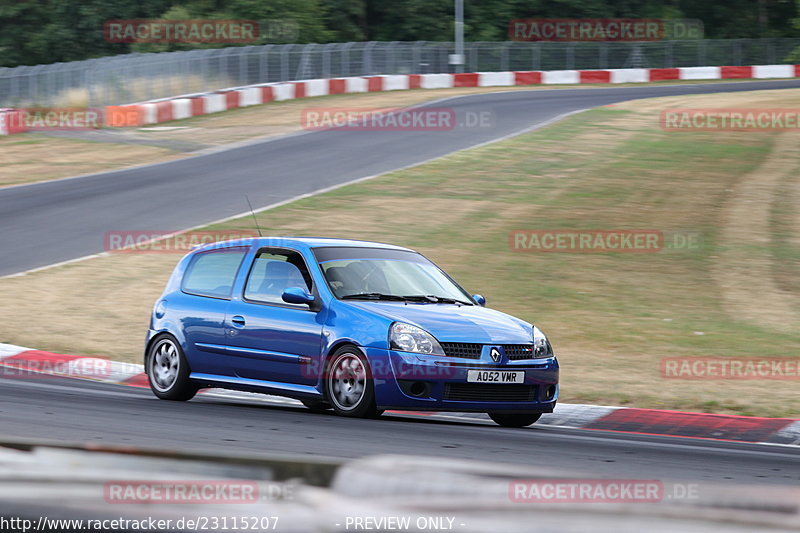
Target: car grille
[[516, 352], [487, 392], [466, 350]]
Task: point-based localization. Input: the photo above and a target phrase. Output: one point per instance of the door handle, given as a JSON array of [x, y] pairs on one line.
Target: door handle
[[238, 320]]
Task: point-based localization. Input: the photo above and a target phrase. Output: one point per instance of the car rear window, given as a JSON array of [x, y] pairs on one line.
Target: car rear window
[[212, 273]]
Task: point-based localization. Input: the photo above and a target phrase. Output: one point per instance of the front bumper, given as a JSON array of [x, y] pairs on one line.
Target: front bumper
[[439, 383]]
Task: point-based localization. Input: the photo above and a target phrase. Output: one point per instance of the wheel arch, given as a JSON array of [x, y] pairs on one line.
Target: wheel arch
[[339, 343], [154, 338]]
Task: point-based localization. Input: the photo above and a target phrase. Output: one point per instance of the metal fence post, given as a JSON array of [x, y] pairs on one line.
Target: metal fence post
[[367, 61], [326, 59], [285, 49], [304, 69], [669, 60], [3, 84], [416, 56], [504, 56], [263, 63], [536, 57], [391, 52], [570, 59], [148, 79], [345, 59], [91, 86], [471, 56], [243, 70], [602, 59], [49, 85], [15, 83]]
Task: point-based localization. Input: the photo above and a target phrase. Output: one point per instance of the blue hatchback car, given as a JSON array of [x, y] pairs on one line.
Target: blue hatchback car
[[359, 327]]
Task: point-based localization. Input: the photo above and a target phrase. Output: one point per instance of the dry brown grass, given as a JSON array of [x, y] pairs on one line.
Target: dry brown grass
[[749, 287], [121, 288], [29, 158], [612, 317]]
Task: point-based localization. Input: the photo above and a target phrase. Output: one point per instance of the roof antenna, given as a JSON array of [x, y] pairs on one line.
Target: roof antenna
[[254, 215]]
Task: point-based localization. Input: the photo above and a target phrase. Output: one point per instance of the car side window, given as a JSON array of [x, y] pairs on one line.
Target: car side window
[[212, 273], [272, 273]]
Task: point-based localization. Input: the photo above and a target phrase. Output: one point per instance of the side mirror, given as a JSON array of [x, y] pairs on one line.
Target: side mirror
[[480, 300], [296, 295]]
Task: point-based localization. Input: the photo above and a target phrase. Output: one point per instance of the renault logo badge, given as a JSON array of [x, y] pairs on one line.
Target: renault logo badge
[[495, 353]]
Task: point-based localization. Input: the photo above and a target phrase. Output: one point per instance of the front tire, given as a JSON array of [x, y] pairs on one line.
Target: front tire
[[168, 371], [515, 420], [348, 384]]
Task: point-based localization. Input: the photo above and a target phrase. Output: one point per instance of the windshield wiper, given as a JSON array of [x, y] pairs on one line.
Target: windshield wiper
[[435, 299], [430, 298], [373, 296]]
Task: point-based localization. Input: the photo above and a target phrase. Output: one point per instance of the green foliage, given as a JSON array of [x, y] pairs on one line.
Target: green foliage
[[47, 31]]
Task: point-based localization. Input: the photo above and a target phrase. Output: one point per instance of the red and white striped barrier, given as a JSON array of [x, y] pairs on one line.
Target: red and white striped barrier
[[184, 107], [187, 106], [10, 122]]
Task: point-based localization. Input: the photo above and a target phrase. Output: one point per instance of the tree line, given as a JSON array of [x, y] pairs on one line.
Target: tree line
[[48, 31]]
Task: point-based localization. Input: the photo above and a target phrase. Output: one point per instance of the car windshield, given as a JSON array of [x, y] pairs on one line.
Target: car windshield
[[384, 274]]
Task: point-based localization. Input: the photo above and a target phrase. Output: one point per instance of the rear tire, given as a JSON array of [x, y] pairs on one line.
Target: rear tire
[[515, 420], [168, 372], [348, 384]]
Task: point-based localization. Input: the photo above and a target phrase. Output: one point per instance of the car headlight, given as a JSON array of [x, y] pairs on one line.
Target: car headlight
[[408, 338], [541, 346]]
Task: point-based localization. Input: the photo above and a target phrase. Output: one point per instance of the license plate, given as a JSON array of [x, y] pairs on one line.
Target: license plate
[[495, 376]]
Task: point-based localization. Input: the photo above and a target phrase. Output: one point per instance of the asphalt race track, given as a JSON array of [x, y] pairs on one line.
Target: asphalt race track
[[51, 222], [47, 223], [54, 409]]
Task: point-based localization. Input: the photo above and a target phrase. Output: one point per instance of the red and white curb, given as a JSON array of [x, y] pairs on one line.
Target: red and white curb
[[18, 361], [192, 105], [21, 362], [168, 109]]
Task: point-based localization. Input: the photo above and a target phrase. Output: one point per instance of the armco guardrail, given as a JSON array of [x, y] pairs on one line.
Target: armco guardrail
[[186, 106], [118, 80]]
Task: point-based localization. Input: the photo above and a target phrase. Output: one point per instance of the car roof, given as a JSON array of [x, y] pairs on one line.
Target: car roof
[[303, 243]]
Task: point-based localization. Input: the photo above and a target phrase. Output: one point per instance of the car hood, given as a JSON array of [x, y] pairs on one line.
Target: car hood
[[454, 323]]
